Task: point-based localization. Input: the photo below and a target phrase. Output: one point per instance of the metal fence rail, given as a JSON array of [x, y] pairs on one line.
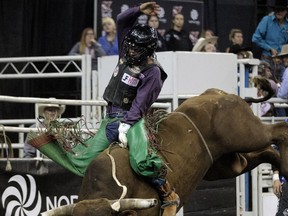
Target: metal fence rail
[[21, 129], [28, 67], [51, 67]]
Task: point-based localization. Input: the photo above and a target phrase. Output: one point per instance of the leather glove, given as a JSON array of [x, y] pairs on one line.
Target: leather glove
[[123, 129]]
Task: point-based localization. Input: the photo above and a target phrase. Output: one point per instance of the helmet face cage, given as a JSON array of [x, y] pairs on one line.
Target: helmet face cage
[[135, 55], [139, 43]]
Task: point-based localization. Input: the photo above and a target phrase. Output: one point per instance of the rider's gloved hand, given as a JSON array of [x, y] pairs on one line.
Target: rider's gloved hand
[[123, 129]]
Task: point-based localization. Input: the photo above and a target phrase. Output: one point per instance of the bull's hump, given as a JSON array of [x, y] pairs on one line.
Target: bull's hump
[[214, 91]]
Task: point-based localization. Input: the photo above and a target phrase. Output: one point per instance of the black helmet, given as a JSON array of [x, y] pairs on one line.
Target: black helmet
[[140, 42]]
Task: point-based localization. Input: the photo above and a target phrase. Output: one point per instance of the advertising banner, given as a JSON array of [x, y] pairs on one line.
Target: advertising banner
[[192, 11], [34, 186]]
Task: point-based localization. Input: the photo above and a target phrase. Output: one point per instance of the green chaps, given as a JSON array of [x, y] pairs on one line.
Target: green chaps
[[143, 160]]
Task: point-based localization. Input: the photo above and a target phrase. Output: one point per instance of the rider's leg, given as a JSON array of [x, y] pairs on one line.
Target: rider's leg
[[146, 162], [81, 155]]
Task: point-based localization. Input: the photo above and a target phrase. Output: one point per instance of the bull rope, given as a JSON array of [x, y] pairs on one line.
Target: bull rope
[[200, 134], [116, 206]]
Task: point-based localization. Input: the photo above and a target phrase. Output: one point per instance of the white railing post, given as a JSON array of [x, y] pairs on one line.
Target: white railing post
[[242, 182], [51, 69]]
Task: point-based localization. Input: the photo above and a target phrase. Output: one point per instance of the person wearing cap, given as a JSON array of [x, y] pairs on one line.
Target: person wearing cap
[[279, 183], [283, 89], [272, 32], [48, 113]]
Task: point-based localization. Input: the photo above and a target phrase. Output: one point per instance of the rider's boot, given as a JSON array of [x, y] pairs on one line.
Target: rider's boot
[[170, 199]]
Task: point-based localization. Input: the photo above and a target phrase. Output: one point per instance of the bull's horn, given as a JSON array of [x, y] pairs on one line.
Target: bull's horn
[[61, 210], [125, 204], [134, 204]]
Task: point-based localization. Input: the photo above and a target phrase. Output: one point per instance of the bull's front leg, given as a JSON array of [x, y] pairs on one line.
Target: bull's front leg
[[235, 164], [267, 155]]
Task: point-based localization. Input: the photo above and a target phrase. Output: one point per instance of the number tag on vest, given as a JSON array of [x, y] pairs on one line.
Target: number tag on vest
[[129, 80]]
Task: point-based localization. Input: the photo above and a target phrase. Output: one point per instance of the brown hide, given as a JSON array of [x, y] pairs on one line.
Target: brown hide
[[101, 206], [99, 183], [227, 125], [234, 164], [182, 150]]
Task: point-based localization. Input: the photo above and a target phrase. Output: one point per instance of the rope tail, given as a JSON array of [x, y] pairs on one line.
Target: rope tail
[[116, 206], [200, 134]]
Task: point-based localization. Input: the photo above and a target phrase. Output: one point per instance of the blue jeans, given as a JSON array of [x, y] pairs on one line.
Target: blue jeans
[[112, 131]]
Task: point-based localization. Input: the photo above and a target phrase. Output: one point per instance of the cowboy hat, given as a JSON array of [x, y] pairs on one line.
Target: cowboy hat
[[201, 42], [284, 51], [42, 107], [279, 4]]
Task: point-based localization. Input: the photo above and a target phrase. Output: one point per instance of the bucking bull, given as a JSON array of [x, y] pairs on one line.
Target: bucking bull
[[211, 136]]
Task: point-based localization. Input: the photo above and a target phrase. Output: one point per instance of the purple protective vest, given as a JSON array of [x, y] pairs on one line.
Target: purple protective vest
[[123, 85]]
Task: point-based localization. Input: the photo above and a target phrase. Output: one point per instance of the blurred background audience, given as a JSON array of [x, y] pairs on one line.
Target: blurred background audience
[[88, 45], [108, 40]]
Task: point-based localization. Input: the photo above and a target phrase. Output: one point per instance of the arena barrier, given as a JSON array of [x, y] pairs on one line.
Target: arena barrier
[[255, 188], [54, 67], [35, 185], [189, 74], [92, 121]]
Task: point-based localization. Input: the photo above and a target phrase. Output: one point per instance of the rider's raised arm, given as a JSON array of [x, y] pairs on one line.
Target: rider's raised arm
[[125, 22]]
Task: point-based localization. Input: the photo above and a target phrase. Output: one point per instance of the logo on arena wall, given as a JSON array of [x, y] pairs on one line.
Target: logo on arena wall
[[106, 8], [285, 212], [194, 15], [142, 19], [176, 9], [21, 197], [162, 15], [124, 7]]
